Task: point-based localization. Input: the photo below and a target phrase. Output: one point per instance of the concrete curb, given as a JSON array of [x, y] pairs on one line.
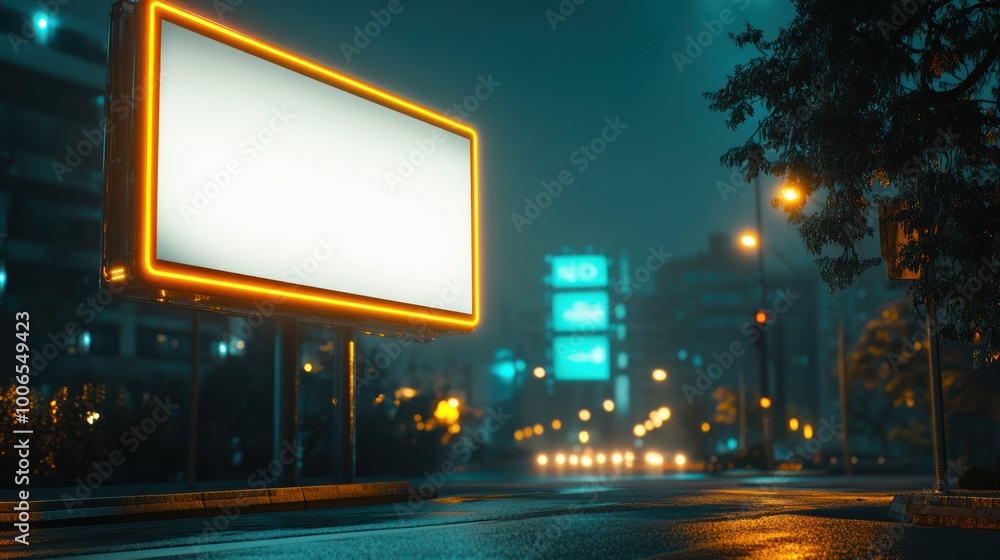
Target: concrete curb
[[54, 513], [968, 510]]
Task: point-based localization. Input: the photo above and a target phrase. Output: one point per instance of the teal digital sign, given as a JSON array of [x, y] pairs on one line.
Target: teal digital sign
[[582, 358], [580, 311], [579, 271]]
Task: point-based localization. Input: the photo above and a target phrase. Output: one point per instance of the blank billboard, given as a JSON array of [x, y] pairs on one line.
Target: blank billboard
[[264, 175]]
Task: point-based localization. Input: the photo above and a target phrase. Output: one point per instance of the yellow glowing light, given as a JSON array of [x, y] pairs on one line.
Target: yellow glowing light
[[116, 274], [793, 424], [453, 402], [648, 424], [616, 458], [585, 415], [706, 427], [539, 429], [765, 403], [790, 194], [528, 432], [629, 456], [240, 345], [664, 413], [573, 460], [417, 418], [601, 459], [748, 240], [556, 425], [539, 372], [584, 436], [639, 430], [406, 393], [807, 431], [518, 435], [454, 429], [609, 405], [654, 458], [659, 375], [657, 422], [308, 367], [190, 278], [680, 459], [586, 461], [448, 414], [560, 459], [542, 460]]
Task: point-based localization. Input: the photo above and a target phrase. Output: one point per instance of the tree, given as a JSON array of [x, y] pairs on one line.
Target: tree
[[871, 100], [888, 363]]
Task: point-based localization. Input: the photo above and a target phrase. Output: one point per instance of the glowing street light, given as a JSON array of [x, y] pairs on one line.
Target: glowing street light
[[585, 415], [560, 459], [680, 459], [659, 375], [539, 429], [654, 458], [664, 413], [584, 436], [609, 405], [793, 424], [790, 194], [765, 403], [706, 427], [539, 372], [556, 424], [639, 430], [807, 431], [748, 240], [543, 460]]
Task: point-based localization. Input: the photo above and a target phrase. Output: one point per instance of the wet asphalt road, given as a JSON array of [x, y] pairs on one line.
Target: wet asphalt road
[[673, 517]]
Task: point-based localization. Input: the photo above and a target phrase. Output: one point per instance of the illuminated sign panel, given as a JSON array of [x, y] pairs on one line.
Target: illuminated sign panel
[[580, 311], [260, 175], [579, 271], [582, 358]]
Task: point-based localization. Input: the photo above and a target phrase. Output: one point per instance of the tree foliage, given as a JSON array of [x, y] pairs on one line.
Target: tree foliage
[[868, 100]]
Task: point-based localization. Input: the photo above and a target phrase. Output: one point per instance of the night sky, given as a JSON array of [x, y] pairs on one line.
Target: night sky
[[655, 185]]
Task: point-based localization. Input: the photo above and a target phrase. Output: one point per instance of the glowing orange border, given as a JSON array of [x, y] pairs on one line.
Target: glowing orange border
[[158, 11]]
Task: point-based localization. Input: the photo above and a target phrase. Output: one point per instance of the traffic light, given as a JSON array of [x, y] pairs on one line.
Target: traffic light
[[760, 317]]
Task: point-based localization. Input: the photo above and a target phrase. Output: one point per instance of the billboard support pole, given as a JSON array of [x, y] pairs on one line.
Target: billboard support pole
[[345, 402], [286, 398], [192, 458]]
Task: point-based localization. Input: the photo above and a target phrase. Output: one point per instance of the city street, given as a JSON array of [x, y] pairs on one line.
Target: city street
[[687, 516]]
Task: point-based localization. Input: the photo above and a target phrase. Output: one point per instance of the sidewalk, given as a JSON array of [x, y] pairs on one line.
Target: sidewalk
[[964, 509], [120, 504]]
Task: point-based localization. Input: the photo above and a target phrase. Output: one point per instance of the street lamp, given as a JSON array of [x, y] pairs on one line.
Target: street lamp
[[659, 375], [585, 415], [749, 240], [790, 194], [609, 405], [539, 372]]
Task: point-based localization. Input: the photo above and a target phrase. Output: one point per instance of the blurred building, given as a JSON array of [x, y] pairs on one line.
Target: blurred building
[[51, 197]]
